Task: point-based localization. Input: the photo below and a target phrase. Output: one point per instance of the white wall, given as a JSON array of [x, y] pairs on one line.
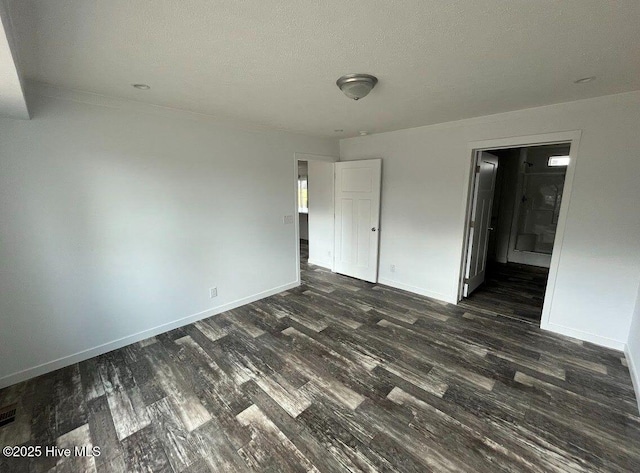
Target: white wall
[[425, 177], [117, 219], [633, 349], [321, 238]]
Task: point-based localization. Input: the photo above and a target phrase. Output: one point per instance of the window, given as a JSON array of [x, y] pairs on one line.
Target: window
[[303, 196], [558, 161]]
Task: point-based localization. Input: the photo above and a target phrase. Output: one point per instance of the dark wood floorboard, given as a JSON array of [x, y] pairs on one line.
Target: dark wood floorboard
[[337, 375], [512, 290]]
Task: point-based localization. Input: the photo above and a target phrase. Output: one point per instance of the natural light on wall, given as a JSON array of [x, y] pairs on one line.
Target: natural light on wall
[[558, 161]]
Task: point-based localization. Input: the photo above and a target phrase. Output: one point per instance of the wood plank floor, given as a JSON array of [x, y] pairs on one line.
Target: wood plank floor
[[337, 375], [512, 290]]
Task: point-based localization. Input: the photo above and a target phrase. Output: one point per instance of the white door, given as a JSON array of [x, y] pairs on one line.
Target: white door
[[357, 218], [486, 169]]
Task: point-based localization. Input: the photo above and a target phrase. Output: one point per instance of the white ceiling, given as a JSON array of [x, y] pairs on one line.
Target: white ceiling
[[275, 63]]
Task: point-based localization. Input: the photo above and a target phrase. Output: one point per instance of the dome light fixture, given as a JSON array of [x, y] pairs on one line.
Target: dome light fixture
[[141, 86], [356, 86], [585, 80]]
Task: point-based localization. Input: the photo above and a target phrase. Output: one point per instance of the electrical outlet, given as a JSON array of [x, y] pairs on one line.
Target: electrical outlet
[[287, 219], [213, 292], [393, 268]]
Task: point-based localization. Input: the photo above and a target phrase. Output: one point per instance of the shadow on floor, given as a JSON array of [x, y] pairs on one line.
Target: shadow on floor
[[512, 290]]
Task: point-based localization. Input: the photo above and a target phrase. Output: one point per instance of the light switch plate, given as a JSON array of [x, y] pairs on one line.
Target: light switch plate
[[287, 219]]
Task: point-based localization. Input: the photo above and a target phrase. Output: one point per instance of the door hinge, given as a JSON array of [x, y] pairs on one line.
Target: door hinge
[[478, 168], [465, 280], [472, 224]]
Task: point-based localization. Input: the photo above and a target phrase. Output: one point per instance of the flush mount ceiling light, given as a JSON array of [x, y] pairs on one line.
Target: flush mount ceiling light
[[141, 86], [356, 86], [584, 80]]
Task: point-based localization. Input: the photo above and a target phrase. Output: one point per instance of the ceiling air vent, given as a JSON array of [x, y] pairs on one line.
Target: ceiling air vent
[[7, 414]]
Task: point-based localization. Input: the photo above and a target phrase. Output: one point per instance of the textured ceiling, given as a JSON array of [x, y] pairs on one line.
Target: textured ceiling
[[275, 63]]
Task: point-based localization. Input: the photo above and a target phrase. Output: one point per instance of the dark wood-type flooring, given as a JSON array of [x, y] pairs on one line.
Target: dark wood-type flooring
[[337, 375], [512, 290]]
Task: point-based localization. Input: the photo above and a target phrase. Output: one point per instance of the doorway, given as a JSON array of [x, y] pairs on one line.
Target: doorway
[[313, 195], [338, 215], [515, 218], [303, 212]]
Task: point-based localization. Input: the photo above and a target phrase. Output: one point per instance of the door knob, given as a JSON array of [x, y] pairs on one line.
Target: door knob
[[373, 229]]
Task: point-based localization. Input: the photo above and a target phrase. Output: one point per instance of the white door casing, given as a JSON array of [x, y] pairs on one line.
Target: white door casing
[[357, 218], [573, 137], [486, 169]]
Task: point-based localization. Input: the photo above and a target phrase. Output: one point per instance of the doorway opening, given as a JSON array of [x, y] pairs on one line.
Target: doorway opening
[[303, 212], [313, 204], [517, 194], [338, 215]]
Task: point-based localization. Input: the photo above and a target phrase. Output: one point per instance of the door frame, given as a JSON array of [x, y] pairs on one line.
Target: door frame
[[304, 157], [474, 148]]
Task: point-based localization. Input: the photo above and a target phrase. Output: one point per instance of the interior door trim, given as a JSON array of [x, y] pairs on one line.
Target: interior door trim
[[473, 147]]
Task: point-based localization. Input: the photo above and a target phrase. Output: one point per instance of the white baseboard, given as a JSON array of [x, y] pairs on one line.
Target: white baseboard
[[322, 264], [584, 336], [53, 365], [417, 290], [634, 365]]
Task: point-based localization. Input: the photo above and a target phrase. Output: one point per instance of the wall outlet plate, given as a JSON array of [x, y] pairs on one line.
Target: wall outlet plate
[[213, 292]]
